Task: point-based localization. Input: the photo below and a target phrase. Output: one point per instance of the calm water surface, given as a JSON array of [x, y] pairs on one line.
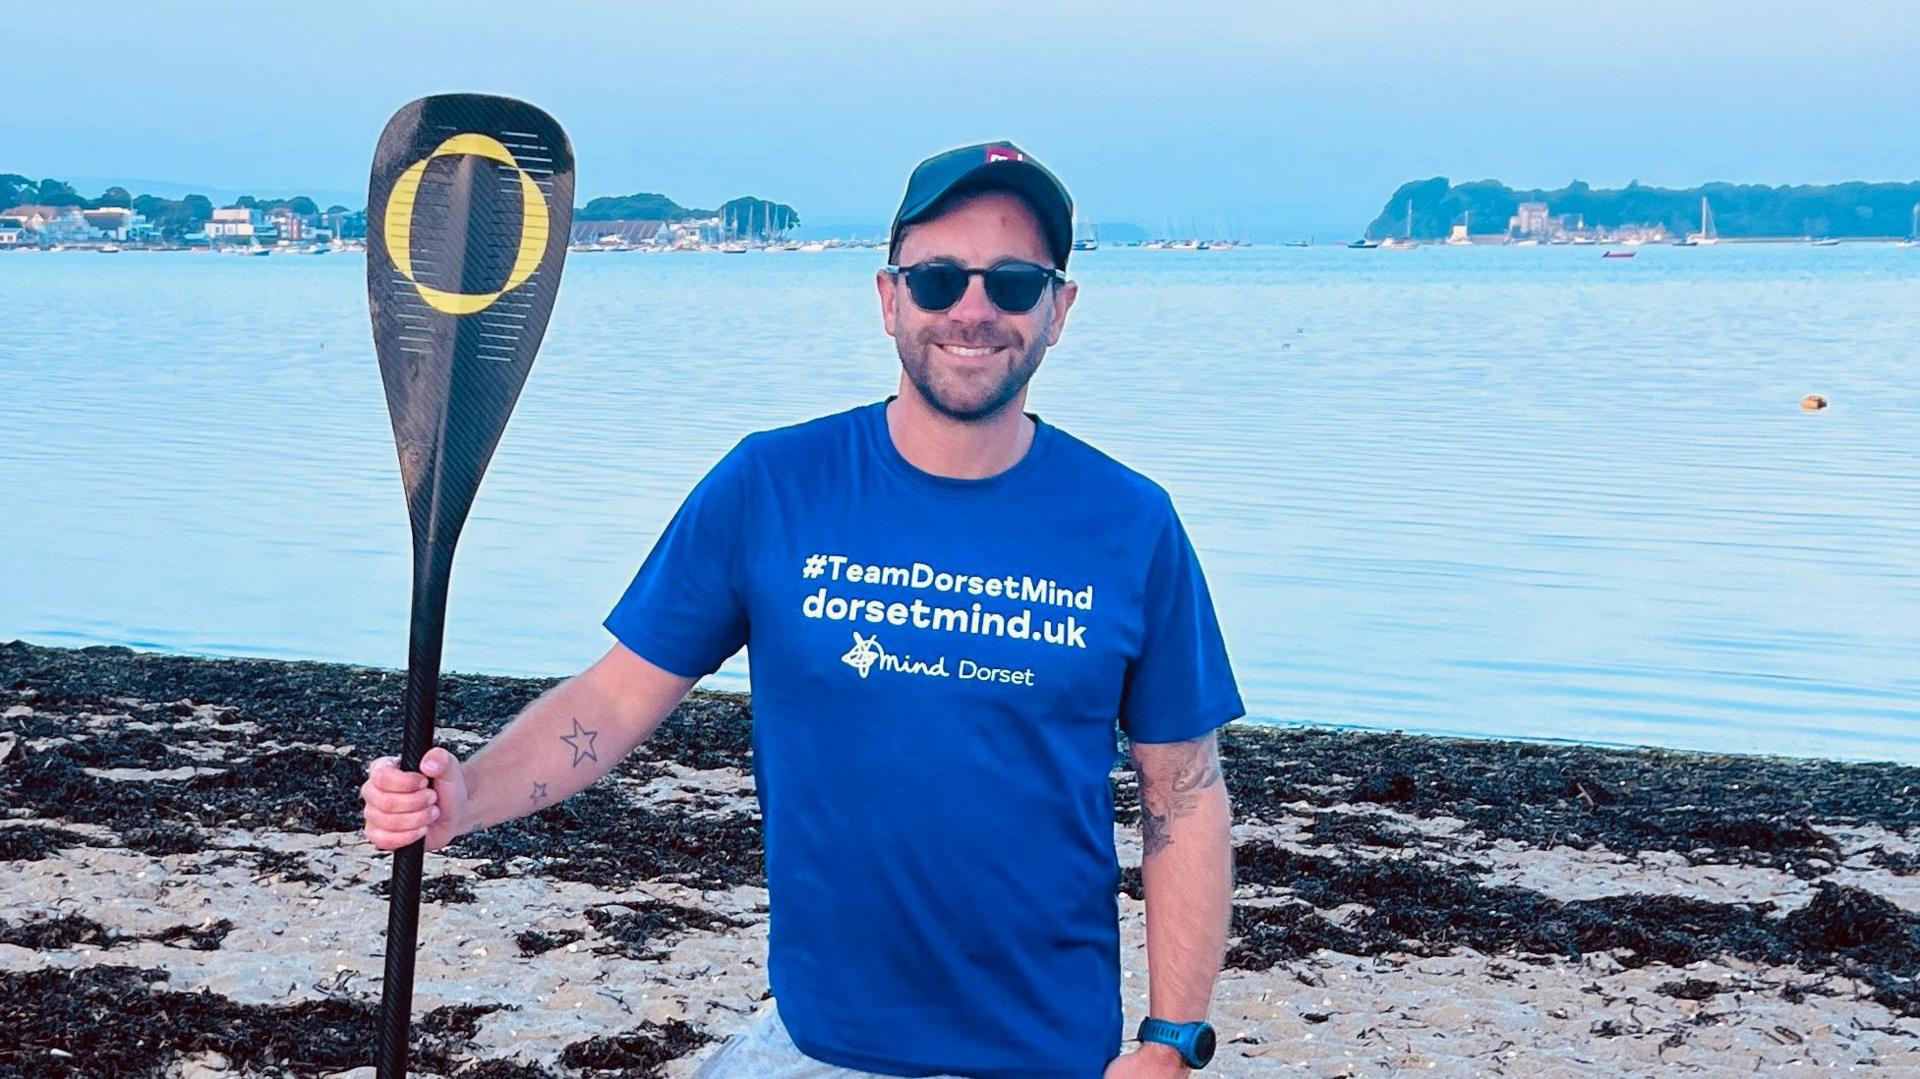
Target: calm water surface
[[1515, 492]]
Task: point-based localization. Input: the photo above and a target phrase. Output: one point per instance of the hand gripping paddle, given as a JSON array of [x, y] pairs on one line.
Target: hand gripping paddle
[[468, 213]]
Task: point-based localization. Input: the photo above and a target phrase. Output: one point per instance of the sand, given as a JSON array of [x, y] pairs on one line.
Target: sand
[[186, 893]]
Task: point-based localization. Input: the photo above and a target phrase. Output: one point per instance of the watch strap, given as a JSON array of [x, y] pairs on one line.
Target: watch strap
[[1181, 1036]]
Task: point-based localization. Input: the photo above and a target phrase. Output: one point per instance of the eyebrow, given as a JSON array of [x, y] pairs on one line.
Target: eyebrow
[[1042, 258], [1002, 261]]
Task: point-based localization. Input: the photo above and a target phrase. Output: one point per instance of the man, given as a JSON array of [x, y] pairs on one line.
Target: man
[[949, 603]]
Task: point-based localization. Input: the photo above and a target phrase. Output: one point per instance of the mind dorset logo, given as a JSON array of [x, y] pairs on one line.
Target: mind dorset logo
[[864, 652], [866, 655]]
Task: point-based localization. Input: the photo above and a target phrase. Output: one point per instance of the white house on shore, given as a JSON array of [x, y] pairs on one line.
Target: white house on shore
[[15, 233], [236, 222], [51, 224], [110, 222], [241, 225], [44, 226]]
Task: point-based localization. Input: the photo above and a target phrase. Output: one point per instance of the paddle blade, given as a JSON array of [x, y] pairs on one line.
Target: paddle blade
[[468, 213]]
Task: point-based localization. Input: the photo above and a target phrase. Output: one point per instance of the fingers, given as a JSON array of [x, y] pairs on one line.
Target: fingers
[[385, 839], [400, 822], [385, 802], [400, 806], [390, 831], [386, 774], [381, 801]]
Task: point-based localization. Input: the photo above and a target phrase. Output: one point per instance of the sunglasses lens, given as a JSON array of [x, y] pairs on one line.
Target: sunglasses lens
[[936, 286], [1015, 289]]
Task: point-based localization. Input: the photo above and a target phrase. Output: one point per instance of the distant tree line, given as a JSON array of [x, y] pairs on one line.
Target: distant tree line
[[16, 190], [177, 217], [745, 216], [1739, 210], [641, 206], [174, 218]]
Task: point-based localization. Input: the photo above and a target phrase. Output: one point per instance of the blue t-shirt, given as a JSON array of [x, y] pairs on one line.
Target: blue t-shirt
[[938, 667]]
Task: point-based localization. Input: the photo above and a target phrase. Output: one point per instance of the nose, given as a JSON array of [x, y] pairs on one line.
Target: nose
[[973, 305]]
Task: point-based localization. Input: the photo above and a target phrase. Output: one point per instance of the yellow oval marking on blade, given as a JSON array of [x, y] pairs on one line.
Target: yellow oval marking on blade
[[398, 225]]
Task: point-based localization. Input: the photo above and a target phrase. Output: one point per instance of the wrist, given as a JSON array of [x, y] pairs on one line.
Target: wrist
[[1188, 1045], [478, 814], [1164, 1057], [465, 824], [469, 816]]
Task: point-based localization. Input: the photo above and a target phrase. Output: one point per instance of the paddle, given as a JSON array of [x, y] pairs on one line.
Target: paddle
[[468, 213]]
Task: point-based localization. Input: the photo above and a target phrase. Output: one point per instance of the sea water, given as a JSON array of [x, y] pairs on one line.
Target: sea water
[[1519, 492]]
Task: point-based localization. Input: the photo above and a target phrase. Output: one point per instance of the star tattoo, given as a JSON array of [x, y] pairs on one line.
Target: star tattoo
[[539, 792], [581, 752]]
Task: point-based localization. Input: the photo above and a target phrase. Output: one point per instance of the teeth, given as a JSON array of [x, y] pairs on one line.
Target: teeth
[[963, 350]]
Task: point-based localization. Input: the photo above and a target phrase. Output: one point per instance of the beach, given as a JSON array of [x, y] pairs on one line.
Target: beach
[[186, 893]]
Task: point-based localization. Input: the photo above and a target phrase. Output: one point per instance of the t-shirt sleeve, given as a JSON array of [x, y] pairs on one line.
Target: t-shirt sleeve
[[685, 611], [1180, 686]]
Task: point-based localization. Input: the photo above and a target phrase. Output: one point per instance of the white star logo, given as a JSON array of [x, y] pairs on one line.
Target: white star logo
[[865, 652]]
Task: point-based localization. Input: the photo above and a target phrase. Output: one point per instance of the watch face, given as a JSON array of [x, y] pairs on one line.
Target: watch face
[[1203, 1044]]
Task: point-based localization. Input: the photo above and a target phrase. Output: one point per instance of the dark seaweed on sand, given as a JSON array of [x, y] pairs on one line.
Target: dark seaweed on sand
[[123, 1021], [445, 888], [635, 1054], [320, 724], [643, 929], [1420, 907], [67, 930], [1755, 810], [1711, 808], [30, 842]]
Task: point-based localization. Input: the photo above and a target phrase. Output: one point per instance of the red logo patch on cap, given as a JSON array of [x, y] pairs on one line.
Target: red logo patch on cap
[[1001, 153]]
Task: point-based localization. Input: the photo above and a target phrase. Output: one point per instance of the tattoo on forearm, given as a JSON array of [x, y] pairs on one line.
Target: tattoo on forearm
[[1161, 803], [539, 793], [581, 741], [1153, 830]]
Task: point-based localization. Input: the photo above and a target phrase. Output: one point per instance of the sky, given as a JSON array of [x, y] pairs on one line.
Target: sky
[[1267, 116]]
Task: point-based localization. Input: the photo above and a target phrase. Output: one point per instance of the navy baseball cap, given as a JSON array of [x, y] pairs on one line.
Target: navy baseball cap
[[988, 166]]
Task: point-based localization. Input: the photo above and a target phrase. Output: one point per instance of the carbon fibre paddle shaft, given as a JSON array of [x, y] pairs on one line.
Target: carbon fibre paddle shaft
[[468, 212]]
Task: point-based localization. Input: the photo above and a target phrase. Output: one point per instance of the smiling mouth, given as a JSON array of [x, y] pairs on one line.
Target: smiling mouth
[[970, 352]]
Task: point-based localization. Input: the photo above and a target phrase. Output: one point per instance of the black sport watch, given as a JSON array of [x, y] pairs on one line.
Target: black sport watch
[[1194, 1041]]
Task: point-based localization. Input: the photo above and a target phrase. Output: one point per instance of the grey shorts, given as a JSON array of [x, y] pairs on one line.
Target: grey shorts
[[765, 1051]]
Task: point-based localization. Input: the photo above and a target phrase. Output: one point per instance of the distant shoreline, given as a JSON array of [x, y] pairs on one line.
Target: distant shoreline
[[1435, 208], [1473, 241]]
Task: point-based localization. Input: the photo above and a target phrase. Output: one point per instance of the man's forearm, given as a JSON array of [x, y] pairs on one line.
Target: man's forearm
[[556, 747], [1186, 874]]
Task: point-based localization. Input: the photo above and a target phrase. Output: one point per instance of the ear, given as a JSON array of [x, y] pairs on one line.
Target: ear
[[889, 298], [1062, 299]]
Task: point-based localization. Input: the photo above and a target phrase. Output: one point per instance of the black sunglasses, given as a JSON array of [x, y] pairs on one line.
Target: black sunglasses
[[1013, 286]]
